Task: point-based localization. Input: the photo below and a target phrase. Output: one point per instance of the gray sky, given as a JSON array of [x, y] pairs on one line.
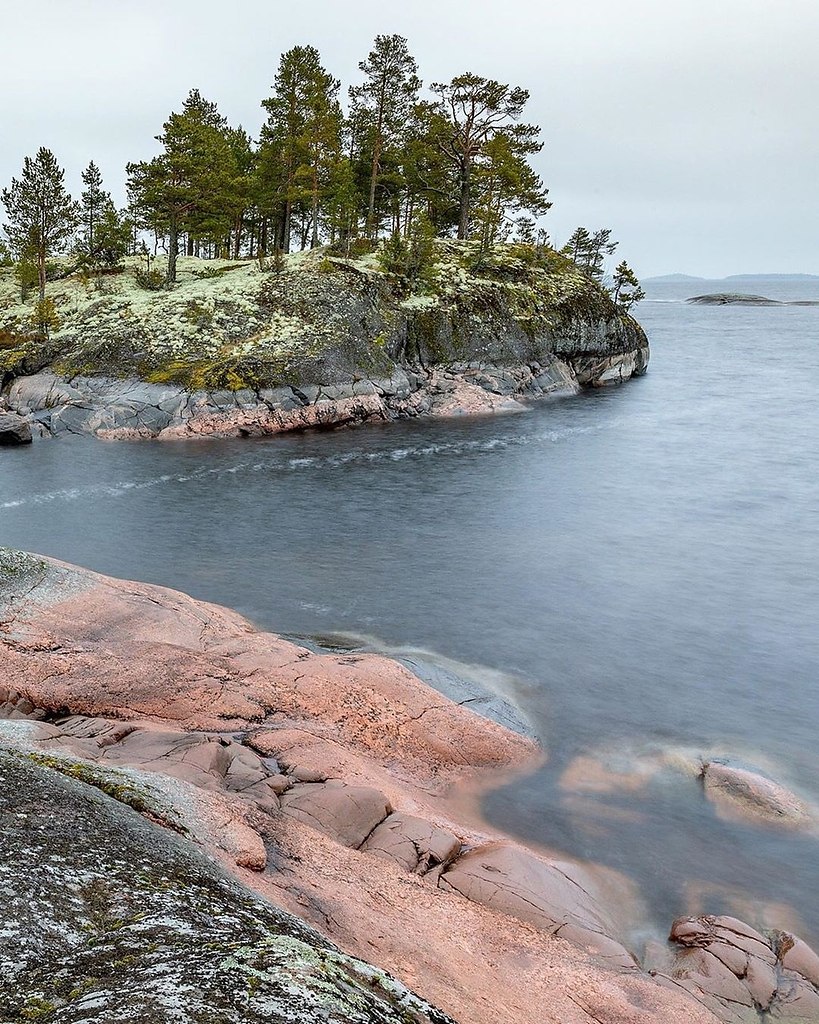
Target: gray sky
[[687, 126]]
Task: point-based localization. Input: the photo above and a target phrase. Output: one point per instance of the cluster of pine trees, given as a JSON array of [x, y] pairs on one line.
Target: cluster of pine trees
[[394, 164]]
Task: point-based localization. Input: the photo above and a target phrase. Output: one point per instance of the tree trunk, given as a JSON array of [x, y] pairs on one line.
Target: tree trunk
[[173, 249], [288, 213], [371, 227], [41, 272], [466, 181]]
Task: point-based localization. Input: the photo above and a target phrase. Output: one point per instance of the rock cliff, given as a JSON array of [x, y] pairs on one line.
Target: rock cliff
[[244, 349]]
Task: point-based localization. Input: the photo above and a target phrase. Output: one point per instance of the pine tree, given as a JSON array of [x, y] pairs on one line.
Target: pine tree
[[300, 141], [42, 216], [626, 289], [186, 188], [92, 201], [383, 103], [590, 249], [477, 111]]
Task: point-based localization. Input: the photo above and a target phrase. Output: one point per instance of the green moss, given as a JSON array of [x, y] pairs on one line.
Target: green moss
[[37, 1009], [111, 782]]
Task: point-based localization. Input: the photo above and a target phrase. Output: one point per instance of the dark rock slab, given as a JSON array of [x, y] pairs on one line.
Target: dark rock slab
[[732, 299]]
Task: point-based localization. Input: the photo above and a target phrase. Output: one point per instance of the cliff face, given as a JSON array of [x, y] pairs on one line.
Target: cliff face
[[239, 348]]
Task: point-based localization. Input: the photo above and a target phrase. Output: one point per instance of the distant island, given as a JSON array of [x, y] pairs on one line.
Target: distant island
[[683, 278]]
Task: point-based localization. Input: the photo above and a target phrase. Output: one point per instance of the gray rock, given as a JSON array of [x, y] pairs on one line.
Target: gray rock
[[732, 298], [14, 430]]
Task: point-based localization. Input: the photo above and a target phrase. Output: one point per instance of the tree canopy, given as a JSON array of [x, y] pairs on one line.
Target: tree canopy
[[397, 165]]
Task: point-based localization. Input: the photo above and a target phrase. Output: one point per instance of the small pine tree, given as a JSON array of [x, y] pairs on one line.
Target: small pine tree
[[626, 290]]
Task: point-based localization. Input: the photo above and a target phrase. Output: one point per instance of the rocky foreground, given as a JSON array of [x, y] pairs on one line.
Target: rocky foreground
[[246, 349], [206, 822]]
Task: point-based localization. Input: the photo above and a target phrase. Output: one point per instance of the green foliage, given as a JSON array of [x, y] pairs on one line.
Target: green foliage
[[412, 260], [149, 280], [41, 215], [589, 249], [626, 290], [381, 112], [44, 319]]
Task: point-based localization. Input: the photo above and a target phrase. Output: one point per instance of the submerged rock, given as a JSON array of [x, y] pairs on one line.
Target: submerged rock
[[742, 791]]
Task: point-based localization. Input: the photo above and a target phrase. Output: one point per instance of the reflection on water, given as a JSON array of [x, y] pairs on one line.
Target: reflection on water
[[642, 561]]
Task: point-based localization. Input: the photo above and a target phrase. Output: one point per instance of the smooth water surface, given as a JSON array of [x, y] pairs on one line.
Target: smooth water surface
[[637, 566]]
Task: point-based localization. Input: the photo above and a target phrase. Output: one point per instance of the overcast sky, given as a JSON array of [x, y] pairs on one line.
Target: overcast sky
[[689, 127]]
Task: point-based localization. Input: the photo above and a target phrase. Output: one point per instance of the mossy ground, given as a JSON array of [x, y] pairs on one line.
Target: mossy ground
[[253, 324]]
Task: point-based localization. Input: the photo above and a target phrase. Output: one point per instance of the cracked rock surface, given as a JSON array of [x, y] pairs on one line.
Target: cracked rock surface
[[108, 917], [745, 977], [337, 787]]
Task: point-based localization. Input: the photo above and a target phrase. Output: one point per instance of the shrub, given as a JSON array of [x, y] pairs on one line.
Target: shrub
[[149, 280]]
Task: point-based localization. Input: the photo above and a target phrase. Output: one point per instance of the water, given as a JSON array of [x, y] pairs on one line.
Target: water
[[637, 567]]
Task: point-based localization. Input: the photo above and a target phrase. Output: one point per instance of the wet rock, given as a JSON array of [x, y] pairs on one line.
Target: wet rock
[[413, 843], [557, 897], [731, 299], [742, 791], [741, 974], [347, 814], [14, 429]]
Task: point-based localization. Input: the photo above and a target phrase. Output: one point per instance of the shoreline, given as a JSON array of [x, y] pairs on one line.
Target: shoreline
[[342, 787], [49, 405]]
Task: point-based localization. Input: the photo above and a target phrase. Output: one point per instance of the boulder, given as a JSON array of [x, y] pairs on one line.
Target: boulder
[[742, 791], [556, 896], [414, 843], [347, 814], [14, 429], [739, 973]]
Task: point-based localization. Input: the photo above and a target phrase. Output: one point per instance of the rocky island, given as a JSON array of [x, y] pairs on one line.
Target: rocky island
[[246, 348]]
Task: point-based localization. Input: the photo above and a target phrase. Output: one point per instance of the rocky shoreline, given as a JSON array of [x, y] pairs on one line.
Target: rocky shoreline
[[47, 404], [337, 787], [236, 350]]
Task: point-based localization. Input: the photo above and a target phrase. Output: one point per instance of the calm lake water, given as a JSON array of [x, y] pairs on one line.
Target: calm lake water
[[638, 567]]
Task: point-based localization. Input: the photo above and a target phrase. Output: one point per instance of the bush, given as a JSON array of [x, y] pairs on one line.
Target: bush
[[44, 319], [149, 280]]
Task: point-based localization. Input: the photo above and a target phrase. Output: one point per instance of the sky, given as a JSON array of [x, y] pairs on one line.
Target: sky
[[688, 127]]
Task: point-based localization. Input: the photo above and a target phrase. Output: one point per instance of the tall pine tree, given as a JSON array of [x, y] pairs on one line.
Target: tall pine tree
[[42, 216], [382, 105]]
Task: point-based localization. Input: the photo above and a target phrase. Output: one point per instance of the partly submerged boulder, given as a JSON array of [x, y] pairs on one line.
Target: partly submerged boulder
[[740, 974], [743, 791]]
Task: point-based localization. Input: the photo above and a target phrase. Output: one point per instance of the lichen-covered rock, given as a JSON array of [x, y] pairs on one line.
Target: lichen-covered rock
[[108, 917], [234, 350]]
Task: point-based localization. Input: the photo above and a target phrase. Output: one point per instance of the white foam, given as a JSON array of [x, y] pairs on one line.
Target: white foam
[[280, 464]]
